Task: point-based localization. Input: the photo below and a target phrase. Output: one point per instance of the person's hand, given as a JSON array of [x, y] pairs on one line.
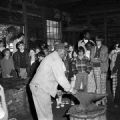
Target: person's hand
[[73, 91], [72, 78]]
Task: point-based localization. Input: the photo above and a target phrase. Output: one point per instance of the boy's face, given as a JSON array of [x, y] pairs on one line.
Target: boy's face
[[70, 48], [40, 58], [80, 53], [37, 51], [46, 52], [7, 53], [99, 43], [21, 47], [32, 53], [74, 54]]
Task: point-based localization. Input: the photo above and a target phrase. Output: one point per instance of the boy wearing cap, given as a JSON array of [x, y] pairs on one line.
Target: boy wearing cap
[[99, 59], [49, 74]]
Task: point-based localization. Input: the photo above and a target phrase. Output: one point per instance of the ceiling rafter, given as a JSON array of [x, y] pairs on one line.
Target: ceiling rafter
[[66, 1]]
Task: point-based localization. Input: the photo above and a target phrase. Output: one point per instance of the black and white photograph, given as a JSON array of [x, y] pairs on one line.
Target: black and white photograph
[[59, 59]]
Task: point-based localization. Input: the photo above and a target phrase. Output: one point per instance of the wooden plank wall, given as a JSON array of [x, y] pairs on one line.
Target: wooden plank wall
[[105, 23]]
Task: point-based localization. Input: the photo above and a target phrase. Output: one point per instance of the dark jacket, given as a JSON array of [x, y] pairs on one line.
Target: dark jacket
[[103, 57], [33, 68], [116, 68], [16, 59]]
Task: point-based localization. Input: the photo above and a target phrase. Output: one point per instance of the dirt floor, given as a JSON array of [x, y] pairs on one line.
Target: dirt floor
[[60, 114]]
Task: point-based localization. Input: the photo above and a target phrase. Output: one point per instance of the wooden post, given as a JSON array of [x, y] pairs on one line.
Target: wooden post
[[105, 27], [88, 20], [25, 24], [43, 17]]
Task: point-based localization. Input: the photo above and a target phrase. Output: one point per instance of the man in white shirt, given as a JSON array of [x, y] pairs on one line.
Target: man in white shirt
[[49, 74]]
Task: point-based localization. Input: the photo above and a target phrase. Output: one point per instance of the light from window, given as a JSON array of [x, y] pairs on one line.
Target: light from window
[[53, 32]]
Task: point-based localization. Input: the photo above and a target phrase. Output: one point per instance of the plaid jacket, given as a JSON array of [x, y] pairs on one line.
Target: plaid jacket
[[83, 65]]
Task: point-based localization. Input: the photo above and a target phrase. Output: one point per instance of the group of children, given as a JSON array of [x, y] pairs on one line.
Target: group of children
[[87, 67], [78, 68]]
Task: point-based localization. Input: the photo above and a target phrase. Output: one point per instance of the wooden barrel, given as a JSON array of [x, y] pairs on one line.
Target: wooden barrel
[[96, 115]]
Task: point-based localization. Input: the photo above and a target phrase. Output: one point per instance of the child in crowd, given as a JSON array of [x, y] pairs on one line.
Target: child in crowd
[[73, 72], [7, 65], [33, 63], [37, 50], [21, 60], [83, 67], [35, 60], [73, 69], [1, 49], [40, 56]]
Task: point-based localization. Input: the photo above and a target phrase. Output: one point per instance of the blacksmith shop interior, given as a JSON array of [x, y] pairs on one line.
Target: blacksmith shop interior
[[59, 59]]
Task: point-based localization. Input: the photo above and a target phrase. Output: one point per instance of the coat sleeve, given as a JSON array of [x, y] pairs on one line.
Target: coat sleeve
[[12, 64], [89, 66], [59, 73], [16, 61], [92, 57], [117, 64], [104, 55]]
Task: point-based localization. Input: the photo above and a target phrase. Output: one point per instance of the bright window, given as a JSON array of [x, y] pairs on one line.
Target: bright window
[[53, 32]]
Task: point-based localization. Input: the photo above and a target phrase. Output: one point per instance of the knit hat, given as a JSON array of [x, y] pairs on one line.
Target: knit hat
[[59, 46]]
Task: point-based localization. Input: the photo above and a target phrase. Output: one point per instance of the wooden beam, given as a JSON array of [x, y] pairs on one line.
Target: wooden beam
[[100, 12], [25, 23], [105, 28], [67, 1], [19, 11]]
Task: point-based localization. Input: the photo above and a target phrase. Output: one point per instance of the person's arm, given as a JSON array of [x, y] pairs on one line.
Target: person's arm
[[92, 55], [12, 64], [82, 44], [92, 42], [111, 54], [117, 64], [16, 62], [89, 65], [104, 55], [58, 70]]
